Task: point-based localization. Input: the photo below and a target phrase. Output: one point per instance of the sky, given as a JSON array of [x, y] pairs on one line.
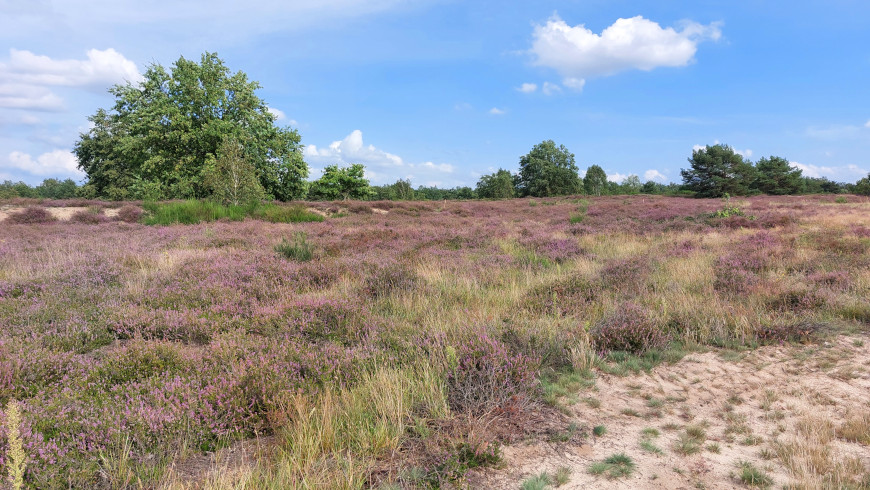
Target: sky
[[443, 91]]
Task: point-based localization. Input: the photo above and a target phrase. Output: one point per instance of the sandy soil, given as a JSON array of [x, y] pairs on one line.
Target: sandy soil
[[752, 407], [62, 214]]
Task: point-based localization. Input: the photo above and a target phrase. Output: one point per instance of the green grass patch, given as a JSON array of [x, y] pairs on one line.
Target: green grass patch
[[297, 249], [192, 212], [615, 466]]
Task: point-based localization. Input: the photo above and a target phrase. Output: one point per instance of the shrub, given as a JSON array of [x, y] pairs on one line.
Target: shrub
[[614, 466], [90, 216], [484, 376], [787, 332], [297, 249], [561, 297], [282, 214], [387, 280], [32, 215], [628, 329], [130, 214]]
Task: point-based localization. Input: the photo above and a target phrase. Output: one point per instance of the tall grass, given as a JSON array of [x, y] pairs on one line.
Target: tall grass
[[194, 211]]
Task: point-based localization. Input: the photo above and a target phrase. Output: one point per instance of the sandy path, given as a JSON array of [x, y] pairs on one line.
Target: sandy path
[[749, 406]]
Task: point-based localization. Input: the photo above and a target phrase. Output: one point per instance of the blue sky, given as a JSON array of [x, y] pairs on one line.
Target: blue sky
[[442, 92]]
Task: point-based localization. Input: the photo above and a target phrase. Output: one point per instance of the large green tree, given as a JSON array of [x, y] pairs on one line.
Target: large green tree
[[161, 133], [548, 170], [776, 176], [341, 183], [595, 181], [862, 187], [718, 170], [498, 185]]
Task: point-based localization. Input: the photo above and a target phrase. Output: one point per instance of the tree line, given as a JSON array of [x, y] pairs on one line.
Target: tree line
[[198, 130]]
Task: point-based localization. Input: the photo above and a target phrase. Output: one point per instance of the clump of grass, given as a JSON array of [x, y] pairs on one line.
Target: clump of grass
[[650, 447], [856, 429], [193, 211], [599, 430], [562, 476], [297, 249], [690, 440], [753, 477], [537, 482], [614, 466], [566, 435]]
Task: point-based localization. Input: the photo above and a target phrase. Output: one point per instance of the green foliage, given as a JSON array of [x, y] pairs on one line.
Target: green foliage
[[615, 466], [753, 477], [776, 176], [718, 170], [191, 212], [631, 185], [599, 430], [340, 183], [231, 177], [56, 189], [498, 185], [862, 187], [297, 249], [548, 170], [537, 482], [728, 209], [595, 181], [160, 135]]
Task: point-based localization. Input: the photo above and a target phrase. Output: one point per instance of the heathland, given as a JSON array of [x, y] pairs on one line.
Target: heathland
[[625, 341]]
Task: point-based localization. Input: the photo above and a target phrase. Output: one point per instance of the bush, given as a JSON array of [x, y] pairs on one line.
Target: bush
[[298, 249], [283, 214], [32, 215], [628, 329], [192, 212], [130, 214], [392, 278], [484, 375], [90, 216]]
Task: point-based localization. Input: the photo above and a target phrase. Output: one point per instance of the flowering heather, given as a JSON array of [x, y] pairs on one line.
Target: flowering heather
[[126, 341]]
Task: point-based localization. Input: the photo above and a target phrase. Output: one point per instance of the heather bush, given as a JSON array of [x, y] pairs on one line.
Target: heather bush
[[562, 297], [626, 275], [32, 215], [90, 216], [628, 329], [390, 279], [483, 376], [130, 214], [787, 332]]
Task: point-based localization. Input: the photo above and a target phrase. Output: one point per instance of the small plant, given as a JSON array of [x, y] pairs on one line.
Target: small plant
[[728, 209], [599, 430], [629, 329], [651, 432], [297, 249], [690, 441], [648, 446], [841, 200], [713, 448], [615, 466], [562, 476], [90, 216], [15, 457], [130, 214], [566, 435], [753, 477], [537, 482]]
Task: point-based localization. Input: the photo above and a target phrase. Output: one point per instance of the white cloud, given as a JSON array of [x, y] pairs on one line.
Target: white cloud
[[100, 69], [278, 113], [577, 53], [58, 163], [653, 174], [576, 84], [616, 177], [495, 111], [848, 173], [528, 88], [744, 153], [867, 124], [381, 166], [550, 88], [25, 77]]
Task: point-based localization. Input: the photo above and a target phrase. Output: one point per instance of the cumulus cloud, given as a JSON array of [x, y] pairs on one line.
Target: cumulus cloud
[[52, 164], [550, 88], [847, 173], [574, 83], [616, 177], [495, 111], [867, 124], [744, 153], [636, 43], [278, 113], [25, 77], [381, 166], [528, 88], [653, 174]]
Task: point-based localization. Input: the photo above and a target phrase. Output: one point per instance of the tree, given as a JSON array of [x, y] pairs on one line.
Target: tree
[[56, 189], [862, 187], [717, 170], [776, 176], [341, 183], [162, 133], [498, 185], [548, 170], [631, 184], [231, 177], [595, 181]]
